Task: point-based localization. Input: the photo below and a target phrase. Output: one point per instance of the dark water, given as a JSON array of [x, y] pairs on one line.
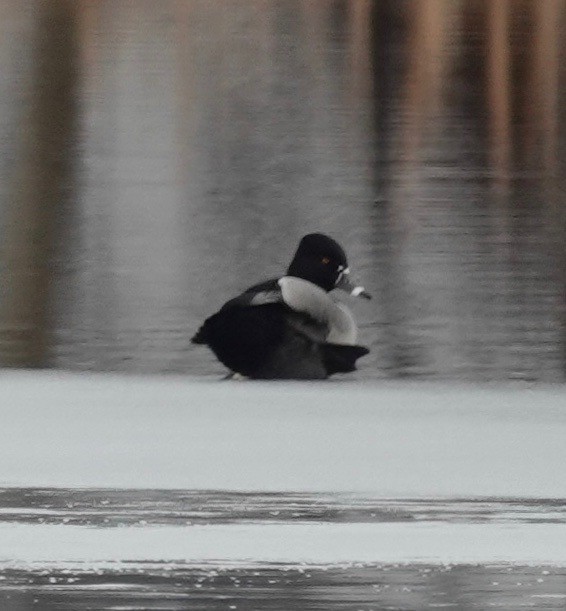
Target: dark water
[[157, 157], [110, 508], [364, 588]]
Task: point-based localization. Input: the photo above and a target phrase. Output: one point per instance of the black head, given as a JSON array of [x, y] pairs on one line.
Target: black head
[[320, 260]]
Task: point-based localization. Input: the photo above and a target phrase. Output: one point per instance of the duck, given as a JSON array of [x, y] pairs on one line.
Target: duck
[[290, 327]]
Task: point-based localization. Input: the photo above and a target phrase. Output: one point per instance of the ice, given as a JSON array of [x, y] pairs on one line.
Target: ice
[[30, 546], [414, 440]]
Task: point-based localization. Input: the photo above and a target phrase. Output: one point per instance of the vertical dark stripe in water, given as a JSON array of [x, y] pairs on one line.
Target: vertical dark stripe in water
[[388, 34], [561, 195], [41, 187]]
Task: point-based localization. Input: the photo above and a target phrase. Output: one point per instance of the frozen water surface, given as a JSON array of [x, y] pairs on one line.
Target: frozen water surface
[[417, 440], [172, 493], [283, 543]]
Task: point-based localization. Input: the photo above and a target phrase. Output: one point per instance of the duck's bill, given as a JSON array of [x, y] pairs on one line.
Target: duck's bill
[[345, 284], [359, 291]]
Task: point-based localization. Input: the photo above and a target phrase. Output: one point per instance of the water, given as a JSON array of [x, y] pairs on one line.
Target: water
[[157, 158], [374, 588]]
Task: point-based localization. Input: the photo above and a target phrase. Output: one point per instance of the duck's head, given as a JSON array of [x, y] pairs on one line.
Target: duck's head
[[322, 261]]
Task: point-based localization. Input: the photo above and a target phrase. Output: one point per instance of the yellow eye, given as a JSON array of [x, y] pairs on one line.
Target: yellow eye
[[325, 260]]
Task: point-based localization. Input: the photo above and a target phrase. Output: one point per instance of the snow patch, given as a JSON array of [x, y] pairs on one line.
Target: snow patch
[[23, 546], [415, 440]]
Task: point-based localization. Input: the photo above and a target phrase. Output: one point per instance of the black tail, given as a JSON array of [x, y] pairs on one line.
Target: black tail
[[341, 358]]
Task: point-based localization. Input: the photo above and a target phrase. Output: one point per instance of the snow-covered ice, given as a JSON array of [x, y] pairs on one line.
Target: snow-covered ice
[[375, 444], [415, 440], [292, 544]]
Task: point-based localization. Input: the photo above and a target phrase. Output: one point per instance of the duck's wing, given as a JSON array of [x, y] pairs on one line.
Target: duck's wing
[[259, 294], [310, 308], [302, 304]]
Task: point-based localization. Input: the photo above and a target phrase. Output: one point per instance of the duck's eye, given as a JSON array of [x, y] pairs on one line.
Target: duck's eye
[[325, 260]]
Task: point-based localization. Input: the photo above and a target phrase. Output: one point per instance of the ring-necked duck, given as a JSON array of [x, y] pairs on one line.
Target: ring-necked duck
[[290, 327]]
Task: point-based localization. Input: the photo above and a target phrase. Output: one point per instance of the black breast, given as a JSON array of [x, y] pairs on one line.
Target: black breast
[[262, 342], [243, 337]]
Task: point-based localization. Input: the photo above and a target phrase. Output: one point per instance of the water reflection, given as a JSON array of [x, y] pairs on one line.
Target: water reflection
[[156, 158], [40, 185]]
